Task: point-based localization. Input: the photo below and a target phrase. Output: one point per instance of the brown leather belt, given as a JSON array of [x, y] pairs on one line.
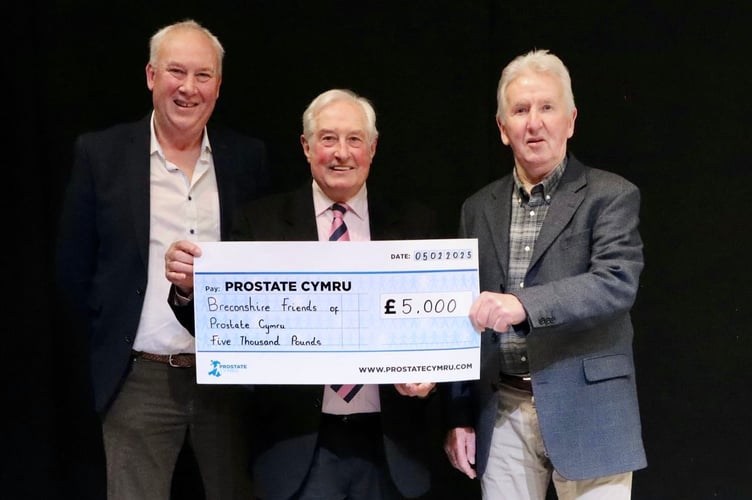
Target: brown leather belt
[[182, 360], [520, 382]]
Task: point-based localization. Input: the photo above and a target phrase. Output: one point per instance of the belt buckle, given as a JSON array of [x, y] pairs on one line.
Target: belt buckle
[[171, 363]]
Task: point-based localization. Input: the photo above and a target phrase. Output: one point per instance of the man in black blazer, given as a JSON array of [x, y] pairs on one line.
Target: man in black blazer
[[311, 443], [135, 188]]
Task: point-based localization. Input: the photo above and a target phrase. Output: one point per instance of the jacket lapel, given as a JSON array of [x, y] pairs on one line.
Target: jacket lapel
[[498, 217], [382, 220], [569, 196], [137, 163], [299, 216], [225, 186]]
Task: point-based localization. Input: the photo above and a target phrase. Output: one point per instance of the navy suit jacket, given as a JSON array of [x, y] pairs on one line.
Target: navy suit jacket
[[580, 286], [287, 416], [103, 242]]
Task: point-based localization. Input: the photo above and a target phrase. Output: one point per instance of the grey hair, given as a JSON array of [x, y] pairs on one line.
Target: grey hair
[[538, 61], [157, 38], [333, 95]]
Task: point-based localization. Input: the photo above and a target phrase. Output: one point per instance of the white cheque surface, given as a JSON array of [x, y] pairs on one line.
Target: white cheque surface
[[336, 312]]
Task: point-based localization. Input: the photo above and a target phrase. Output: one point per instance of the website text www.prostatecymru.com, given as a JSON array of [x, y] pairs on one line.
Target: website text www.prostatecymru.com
[[415, 368]]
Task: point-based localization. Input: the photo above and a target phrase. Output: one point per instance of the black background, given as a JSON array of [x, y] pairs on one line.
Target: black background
[[663, 93]]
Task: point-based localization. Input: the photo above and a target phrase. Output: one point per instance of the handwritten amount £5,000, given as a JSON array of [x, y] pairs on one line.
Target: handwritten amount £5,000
[[416, 305]]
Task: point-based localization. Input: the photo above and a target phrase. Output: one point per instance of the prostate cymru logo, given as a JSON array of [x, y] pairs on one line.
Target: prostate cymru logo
[[218, 368], [215, 368]]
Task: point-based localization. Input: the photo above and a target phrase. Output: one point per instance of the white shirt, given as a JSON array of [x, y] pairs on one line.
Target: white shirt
[[358, 227], [179, 210]]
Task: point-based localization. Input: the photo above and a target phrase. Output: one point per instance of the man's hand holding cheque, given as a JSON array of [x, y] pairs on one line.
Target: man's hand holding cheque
[[179, 265]]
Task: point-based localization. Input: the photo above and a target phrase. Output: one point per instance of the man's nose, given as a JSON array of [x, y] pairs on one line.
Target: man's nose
[[342, 150], [188, 85], [534, 119]]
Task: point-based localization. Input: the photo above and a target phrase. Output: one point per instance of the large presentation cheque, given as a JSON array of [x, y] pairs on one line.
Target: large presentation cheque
[[336, 312]]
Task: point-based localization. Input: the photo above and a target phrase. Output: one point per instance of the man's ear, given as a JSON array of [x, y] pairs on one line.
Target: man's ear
[[306, 147], [502, 132], [150, 71], [570, 132]]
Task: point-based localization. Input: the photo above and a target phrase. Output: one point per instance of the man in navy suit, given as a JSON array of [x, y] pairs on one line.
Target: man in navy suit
[[312, 444], [135, 188], [560, 257]]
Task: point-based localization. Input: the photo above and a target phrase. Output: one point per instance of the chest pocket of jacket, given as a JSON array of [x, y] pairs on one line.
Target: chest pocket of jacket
[[577, 242]]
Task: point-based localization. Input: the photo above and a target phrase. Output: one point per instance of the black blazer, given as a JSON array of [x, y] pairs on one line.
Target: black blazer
[[287, 416], [103, 241]]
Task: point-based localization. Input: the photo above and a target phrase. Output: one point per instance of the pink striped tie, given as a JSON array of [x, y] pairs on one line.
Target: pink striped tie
[[347, 392], [339, 233], [339, 229]]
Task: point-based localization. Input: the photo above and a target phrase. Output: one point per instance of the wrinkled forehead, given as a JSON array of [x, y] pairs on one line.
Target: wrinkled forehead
[[538, 81], [340, 116], [188, 46]]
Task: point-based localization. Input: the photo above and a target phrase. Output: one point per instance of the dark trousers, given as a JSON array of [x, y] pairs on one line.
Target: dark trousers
[[157, 409], [349, 463]]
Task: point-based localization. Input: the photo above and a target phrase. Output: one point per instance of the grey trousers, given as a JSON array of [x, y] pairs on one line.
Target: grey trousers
[[157, 409]]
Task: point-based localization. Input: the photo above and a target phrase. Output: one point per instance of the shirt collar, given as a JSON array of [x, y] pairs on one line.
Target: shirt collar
[[545, 189], [155, 147], [358, 204]]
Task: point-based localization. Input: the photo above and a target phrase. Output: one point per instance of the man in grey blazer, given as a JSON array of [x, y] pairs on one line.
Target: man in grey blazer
[[312, 444], [560, 258], [135, 188]]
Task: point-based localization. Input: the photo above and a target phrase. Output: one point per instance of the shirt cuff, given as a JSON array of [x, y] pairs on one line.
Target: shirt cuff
[[181, 299]]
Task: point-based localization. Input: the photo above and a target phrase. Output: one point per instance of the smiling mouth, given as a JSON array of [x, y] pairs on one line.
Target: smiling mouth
[[182, 104], [340, 168]]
